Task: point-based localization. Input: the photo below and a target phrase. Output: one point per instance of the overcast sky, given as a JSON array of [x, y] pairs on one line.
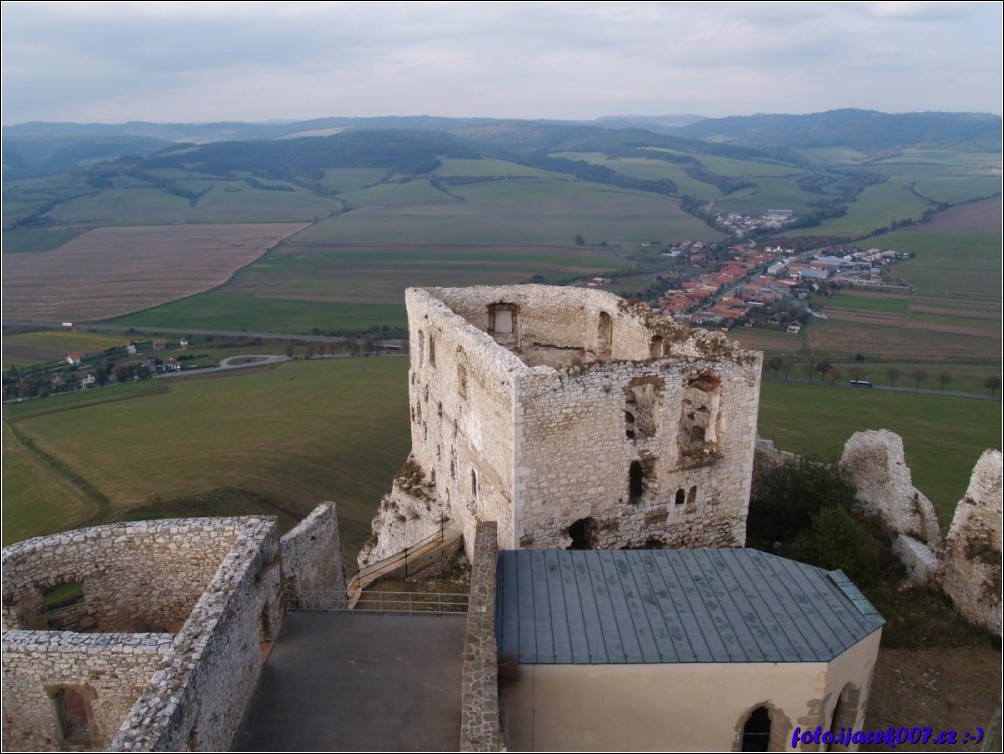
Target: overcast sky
[[253, 61]]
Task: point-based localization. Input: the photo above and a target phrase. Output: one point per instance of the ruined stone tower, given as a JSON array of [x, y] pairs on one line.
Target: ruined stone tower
[[573, 419]]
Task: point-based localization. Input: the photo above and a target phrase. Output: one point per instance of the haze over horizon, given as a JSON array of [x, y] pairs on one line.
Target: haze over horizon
[[185, 62]]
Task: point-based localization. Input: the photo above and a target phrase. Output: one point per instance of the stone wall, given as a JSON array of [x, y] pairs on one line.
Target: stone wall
[[217, 580], [479, 715], [973, 553], [120, 567], [533, 406], [577, 457], [109, 670], [312, 553], [196, 699]]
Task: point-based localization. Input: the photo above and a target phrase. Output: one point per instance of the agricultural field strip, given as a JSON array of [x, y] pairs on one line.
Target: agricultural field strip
[[112, 271]]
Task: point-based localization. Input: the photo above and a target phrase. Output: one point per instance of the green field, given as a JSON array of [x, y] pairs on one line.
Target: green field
[[848, 300], [338, 429], [349, 271], [875, 207], [295, 436], [27, 241], [943, 437], [245, 311], [226, 202], [949, 265], [653, 170], [487, 167], [517, 211]]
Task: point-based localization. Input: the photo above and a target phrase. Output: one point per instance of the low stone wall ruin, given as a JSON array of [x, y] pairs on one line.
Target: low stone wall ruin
[[195, 701], [213, 581], [137, 577], [108, 670]]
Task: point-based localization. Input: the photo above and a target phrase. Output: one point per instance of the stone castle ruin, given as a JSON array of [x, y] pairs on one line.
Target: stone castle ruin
[[162, 648], [572, 418]]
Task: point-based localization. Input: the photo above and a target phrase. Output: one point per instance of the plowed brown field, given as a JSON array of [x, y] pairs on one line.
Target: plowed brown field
[[109, 272]]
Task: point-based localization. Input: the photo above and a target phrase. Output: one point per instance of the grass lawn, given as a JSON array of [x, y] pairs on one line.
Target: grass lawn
[[37, 499], [293, 437], [943, 437]]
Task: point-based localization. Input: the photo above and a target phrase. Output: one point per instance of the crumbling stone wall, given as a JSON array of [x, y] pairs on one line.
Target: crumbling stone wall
[[196, 699], [479, 716], [536, 407], [312, 553], [973, 549], [136, 577], [145, 690], [875, 462], [109, 670]]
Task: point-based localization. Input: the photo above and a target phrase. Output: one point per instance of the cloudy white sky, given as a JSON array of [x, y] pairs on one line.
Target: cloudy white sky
[[253, 61]]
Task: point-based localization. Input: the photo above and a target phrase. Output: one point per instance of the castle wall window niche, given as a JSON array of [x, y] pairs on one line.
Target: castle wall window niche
[[699, 423], [642, 398], [605, 337], [502, 322]]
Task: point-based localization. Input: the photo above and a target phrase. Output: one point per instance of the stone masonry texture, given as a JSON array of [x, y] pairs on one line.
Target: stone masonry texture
[[572, 418]]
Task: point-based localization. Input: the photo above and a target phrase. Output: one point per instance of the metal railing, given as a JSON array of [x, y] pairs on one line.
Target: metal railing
[[437, 603], [387, 563]]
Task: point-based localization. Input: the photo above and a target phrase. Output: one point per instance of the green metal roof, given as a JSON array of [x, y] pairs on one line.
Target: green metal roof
[[674, 606]]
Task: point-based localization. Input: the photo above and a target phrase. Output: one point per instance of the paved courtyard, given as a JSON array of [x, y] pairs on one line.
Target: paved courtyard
[[353, 681]]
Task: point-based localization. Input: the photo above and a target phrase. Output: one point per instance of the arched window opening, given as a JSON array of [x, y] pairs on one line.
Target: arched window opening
[[636, 481], [756, 731], [692, 496], [502, 323], [845, 713], [680, 496]]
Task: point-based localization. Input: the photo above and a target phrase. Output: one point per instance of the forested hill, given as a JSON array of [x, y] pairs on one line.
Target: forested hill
[[863, 130], [38, 149]]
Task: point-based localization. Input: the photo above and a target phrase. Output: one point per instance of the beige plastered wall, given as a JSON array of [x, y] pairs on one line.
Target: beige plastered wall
[[680, 707]]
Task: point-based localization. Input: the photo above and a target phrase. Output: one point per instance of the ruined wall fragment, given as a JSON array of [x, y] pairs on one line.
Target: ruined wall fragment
[[973, 548], [875, 463]]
